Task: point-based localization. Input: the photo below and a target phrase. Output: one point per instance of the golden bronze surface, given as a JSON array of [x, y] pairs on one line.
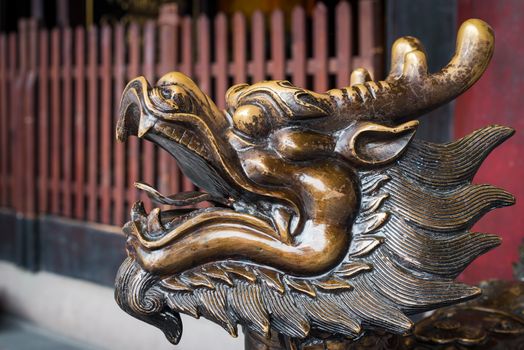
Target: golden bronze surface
[[328, 219]]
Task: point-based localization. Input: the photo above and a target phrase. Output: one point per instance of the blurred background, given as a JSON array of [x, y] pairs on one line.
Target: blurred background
[[66, 185]]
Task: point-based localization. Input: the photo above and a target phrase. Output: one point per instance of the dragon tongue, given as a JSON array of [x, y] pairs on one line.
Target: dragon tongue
[[179, 199]]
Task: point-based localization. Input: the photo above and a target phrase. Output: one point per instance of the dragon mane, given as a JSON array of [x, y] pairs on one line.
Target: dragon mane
[[329, 219]]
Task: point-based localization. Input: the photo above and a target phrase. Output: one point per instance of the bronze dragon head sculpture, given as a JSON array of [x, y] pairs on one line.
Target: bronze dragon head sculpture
[[327, 217]]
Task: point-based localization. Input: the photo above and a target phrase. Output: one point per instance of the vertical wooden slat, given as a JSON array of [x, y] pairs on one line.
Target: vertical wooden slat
[[186, 67], [92, 125], [43, 122], [67, 145], [30, 120], [18, 129], [204, 55], [148, 153], [56, 124], [133, 146], [258, 42], [298, 47], [204, 68], [149, 50], [12, 110], [278, 53], [369, 37], [168, 38], [106, 121], [344, 43], [221, 49], [10, 75], [320, 47], [19, 132], [239, 48], [3, 121], [168, 48], [119, 163], [80, 123]]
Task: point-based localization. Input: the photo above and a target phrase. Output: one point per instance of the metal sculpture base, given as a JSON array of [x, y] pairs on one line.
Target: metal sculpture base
[[254, 341], [277, 341], [493, 321]]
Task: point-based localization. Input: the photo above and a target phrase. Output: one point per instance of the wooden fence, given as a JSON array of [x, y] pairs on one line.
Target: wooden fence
[[59, 93]]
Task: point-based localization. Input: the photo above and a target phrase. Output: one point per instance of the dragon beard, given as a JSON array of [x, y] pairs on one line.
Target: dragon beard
[[403, 257]]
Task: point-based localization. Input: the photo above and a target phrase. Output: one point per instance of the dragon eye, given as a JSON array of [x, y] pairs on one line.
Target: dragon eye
[[166, 93], [251, 120]]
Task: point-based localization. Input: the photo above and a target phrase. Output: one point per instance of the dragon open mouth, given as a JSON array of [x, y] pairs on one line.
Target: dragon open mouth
[[197, 140], [195, 160], [184, 144]]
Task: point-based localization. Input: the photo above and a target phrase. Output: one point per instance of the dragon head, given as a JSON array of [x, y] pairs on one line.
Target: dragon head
[[326, 217]]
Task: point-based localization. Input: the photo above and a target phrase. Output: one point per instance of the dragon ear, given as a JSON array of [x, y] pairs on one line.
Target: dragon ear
[[369, 144]]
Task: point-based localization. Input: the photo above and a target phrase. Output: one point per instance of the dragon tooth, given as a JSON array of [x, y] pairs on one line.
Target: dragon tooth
[[194, 144], [138, 211], [153, 221], [144, 125], [186, 137]]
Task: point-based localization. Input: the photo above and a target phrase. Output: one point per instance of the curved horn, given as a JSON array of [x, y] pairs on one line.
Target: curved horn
[[409, 90]]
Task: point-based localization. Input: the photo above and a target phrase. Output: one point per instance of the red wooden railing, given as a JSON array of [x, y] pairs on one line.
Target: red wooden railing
[[59, 93]]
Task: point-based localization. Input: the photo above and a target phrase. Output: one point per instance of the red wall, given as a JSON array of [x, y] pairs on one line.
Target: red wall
[[498, 98]]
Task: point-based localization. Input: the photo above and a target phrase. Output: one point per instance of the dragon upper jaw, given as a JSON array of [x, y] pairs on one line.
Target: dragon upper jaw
[[193, 140], [198, 144]]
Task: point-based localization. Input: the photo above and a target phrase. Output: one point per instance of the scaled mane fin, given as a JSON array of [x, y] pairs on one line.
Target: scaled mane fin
[[423, 250]]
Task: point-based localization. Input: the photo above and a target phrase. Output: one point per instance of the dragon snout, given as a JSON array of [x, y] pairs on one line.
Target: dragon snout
[[132, 119]]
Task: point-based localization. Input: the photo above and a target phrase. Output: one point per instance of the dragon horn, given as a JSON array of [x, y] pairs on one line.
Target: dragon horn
[[409, 90]]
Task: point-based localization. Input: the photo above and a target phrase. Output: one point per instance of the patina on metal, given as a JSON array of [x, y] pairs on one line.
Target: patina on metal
[[328, 219]]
